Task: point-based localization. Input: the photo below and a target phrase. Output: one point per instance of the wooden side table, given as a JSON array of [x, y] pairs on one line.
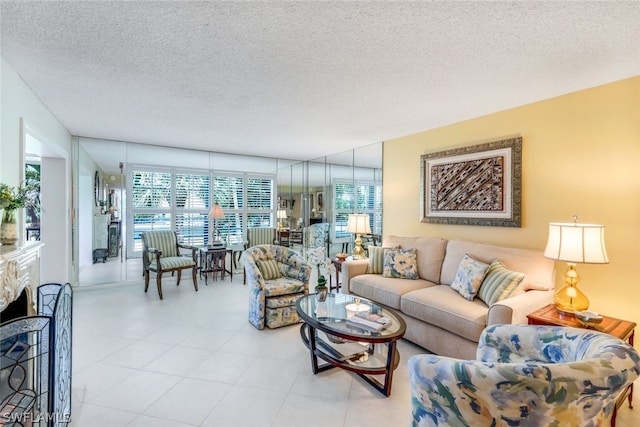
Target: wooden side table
[[337, 263], [213, 260], [618, 328]]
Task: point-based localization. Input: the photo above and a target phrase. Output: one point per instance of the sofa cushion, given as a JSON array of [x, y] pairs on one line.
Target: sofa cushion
[[539, 271], [443, 307], [383, 290], [469, 277], [499, 283], [430, 253], [400, 263], [269, 269]]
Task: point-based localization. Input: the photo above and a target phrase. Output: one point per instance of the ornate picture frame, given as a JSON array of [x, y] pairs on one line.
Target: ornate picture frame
[[475, 185]]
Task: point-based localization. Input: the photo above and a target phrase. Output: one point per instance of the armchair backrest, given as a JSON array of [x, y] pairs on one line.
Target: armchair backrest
[[294, 265], [525, 375], [260, 236], [164, 240], [558, 344], [317, 235]]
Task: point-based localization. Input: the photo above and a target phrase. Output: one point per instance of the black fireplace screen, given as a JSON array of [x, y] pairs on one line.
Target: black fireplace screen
[[35, 362]]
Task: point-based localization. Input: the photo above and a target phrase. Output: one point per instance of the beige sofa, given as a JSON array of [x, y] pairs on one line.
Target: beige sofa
[[438, 318]]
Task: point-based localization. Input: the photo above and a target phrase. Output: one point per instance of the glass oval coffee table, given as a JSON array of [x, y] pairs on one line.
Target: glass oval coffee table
[[332, 333]]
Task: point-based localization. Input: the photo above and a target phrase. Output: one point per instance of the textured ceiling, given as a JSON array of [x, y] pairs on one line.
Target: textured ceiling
[[303, 79]]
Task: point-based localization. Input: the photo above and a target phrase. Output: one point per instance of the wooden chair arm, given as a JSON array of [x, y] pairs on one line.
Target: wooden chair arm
[[192, 248]]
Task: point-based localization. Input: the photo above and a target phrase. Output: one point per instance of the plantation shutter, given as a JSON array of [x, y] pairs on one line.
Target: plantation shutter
[[192, 208]]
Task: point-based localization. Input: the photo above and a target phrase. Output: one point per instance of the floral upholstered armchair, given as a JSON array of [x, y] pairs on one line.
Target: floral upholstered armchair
[[277, 277], [525, 375]]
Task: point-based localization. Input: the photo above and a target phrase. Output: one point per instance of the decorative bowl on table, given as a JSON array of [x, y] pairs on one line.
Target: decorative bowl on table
[[342, 256], [588, 318]]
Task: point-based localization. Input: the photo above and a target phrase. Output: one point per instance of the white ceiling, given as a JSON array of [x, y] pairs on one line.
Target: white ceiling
[[299, 80]]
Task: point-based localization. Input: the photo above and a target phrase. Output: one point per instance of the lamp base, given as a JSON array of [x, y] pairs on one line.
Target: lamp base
[[358, 251], [569, 300]]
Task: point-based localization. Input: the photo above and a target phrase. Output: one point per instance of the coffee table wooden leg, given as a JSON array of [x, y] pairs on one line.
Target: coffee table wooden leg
[[308, 334], [391, 363], [393, 358]]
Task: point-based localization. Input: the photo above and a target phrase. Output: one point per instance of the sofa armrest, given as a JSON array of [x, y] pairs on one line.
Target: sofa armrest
[[351, 269], [514, 310]]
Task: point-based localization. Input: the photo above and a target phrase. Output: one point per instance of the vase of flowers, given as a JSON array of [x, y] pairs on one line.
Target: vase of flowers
[[12, 199]]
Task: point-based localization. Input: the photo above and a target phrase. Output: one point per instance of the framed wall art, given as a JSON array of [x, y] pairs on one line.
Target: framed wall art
[[475, 185]]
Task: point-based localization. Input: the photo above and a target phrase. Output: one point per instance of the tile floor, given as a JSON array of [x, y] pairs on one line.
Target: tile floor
[[194, 360]]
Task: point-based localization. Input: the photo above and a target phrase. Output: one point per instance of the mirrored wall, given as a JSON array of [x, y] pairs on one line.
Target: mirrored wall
[[120, 184], [317, 197]]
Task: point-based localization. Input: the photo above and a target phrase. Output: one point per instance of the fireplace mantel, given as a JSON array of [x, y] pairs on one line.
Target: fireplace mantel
[[20, 269]]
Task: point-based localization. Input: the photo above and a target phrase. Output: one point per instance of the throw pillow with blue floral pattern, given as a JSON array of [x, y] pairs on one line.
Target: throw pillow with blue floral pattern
[[469, 276], [401, 263]]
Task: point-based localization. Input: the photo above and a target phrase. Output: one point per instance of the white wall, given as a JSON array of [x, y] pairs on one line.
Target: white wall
[[55, 265], [19, 105]]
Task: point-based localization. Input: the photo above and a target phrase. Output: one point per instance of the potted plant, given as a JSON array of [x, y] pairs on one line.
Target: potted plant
[[12, 199], [316, 257], [321, 287]]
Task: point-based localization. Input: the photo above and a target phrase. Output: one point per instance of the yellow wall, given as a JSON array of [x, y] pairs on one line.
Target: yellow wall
[[581, 155]]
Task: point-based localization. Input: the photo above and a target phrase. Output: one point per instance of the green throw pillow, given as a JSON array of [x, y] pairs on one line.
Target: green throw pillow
[[269, 269], [400, 263], [499, 283], [469, 276], [376, 259]]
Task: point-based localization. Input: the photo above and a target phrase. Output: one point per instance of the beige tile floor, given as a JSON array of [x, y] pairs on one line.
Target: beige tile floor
[[193, 359]]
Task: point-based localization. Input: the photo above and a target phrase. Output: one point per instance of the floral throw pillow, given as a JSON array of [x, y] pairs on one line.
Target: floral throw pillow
[[400, 263], [469, 276]]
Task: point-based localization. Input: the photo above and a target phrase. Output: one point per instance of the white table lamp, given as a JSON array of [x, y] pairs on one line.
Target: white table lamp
[[358, 224], [574, 243]]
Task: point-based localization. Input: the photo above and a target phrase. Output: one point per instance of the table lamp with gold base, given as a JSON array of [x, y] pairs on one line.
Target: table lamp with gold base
[[574, 243], [358, 224]]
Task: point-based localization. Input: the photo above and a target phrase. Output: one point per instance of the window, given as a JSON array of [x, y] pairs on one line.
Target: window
[[228, 192], [260, 202], [192, 207], [180, 200], [344, 203], [151, 192], [360, 197]]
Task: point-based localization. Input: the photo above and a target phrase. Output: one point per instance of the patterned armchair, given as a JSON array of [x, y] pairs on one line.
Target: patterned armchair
[[525, 375], [259, 236], [161, 254], [277, 277]]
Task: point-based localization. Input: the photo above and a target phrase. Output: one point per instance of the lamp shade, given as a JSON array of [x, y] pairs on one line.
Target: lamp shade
[[358, 224], [282, 214], [216, 212], [576, 243]]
